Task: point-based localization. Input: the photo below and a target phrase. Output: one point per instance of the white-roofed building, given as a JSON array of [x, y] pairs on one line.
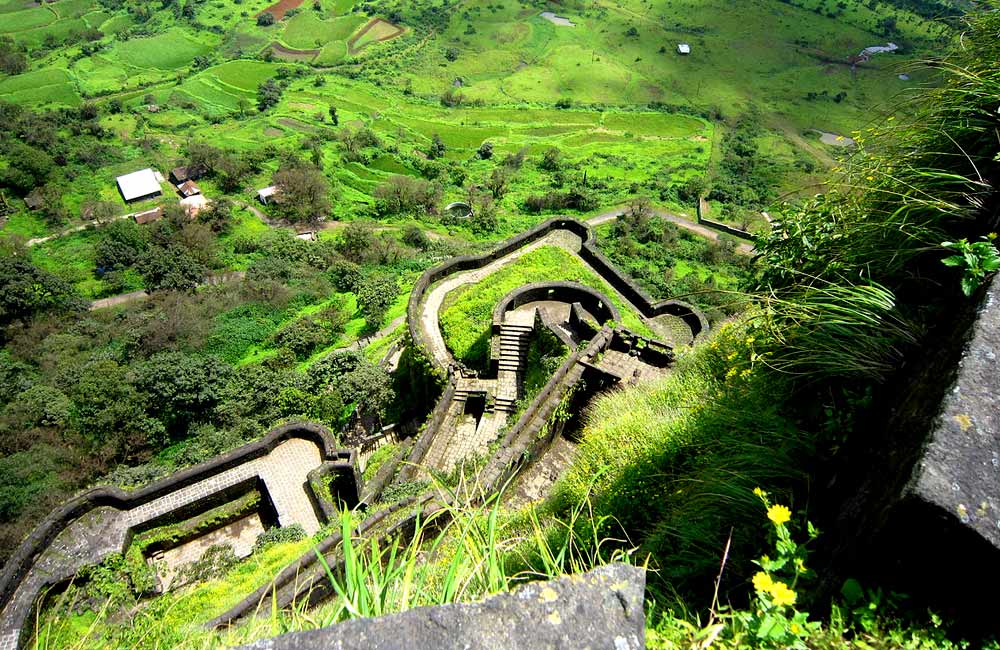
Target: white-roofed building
[[266, 193], [139, 185], [683, 48]]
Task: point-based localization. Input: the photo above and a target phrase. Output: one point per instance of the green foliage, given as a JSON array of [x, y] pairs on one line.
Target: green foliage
[[121, 245], [181, 388], [975, 260], [279, 535], [26, 291], [376, 293], [171, 267]]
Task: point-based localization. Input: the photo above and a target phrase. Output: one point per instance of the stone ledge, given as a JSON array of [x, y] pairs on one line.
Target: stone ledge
[[960, 468], [602, 609]]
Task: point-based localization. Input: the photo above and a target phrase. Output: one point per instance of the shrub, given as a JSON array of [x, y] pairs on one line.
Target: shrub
[[265, 19], [279, 535]]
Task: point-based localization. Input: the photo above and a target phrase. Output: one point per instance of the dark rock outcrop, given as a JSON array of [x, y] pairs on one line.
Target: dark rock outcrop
[[602, 609]]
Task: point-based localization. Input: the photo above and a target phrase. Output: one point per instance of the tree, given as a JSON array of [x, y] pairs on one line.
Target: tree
[[171, 267], [108, 410], [415, 236], [26, 290], [376, 294], [268, 94], [451, 54], [122, 244], [180, 387], [484, 215], [333, 115], [355, 240], [265, 19], [497, 182], [52, 207], [370, 387], [402, 194], [302, 336], [28, 167], [437, 148], [101, 211], [485, 150], [551, 159], [303, 192]]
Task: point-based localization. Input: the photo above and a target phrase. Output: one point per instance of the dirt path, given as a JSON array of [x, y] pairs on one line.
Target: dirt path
[[135, 296], [70, 231], [704, 231]]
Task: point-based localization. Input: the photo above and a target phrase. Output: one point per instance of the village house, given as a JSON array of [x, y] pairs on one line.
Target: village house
[[194, 204], [139, 185], [188, 188], [683, 49], [148, 216], [265, 194], [186, 173]]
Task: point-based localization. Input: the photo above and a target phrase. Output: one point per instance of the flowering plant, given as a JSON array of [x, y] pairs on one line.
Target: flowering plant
[[774, 621]]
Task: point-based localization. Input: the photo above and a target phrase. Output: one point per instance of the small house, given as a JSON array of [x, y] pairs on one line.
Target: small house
[[194, 204], [265, 194], [309, 235], [188, 188], [683, 49], [149, 216], [139, 185], [186, 173]]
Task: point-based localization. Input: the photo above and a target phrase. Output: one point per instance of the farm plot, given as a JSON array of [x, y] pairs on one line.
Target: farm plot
[[306, 30], [25, 19], [376, 31], [46, 86], [170, 50], [282, 7]]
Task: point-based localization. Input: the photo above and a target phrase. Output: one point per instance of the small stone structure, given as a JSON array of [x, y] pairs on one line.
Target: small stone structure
[[103, 520], [599, 609]]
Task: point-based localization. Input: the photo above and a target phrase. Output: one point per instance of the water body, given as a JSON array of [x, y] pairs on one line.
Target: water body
[[557, 20], [835, 140], [878, 49]]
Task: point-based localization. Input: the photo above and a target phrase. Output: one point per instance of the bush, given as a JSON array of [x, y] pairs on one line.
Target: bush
[[279, 535], [265, 19]]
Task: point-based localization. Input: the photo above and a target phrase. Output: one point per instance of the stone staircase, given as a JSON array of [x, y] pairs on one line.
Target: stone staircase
[[515, 337]]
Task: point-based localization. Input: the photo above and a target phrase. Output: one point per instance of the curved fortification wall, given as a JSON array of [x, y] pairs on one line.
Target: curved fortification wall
[[61, 545], [589, 253]]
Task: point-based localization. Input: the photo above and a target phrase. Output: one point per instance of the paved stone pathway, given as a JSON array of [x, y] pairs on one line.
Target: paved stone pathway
[[104, 530]]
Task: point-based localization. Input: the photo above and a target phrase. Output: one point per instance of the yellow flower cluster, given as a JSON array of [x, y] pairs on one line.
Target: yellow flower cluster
[[781, 594], [779, 514]]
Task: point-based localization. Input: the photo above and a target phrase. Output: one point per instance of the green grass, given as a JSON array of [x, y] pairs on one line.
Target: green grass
[[71, 258], [45, 86], [306, 31], [167, 51], [26, 224], [467, 312]]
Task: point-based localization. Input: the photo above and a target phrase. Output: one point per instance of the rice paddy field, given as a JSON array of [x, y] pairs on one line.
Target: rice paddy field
[[604, 84]]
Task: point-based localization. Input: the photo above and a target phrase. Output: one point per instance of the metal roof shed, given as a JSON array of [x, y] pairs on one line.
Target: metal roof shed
[[138, 185]]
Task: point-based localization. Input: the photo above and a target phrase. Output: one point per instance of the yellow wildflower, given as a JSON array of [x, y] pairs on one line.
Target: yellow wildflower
[[991, 236], [762, 582], [750, 340], [779, 514], [759, 492], [871, 178], [782, 594], [796, 628]]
